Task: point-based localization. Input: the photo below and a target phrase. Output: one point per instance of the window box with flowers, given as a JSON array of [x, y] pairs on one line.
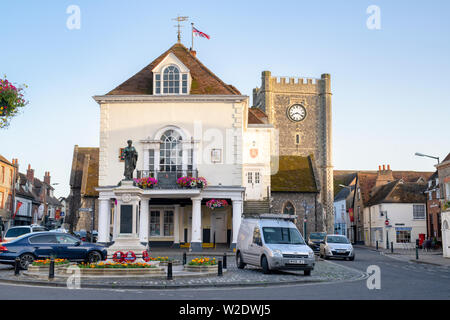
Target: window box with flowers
[[216, 204], [11, 100], [191, 182], [146, 183]]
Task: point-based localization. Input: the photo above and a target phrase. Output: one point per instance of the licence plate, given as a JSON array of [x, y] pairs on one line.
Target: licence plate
[[297, 261]]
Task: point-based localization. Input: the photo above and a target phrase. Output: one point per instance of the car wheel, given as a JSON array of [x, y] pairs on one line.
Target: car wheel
[[352, 258], [94, 257], [265, 265], [326, 257], [240, 264], [307, 272], [25, 260]]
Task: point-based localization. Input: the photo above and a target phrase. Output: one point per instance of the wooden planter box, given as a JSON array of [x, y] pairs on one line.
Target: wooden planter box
[[194, 268]]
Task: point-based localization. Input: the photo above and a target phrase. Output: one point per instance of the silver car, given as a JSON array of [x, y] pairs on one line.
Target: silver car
[[273, 242], [336, 246]]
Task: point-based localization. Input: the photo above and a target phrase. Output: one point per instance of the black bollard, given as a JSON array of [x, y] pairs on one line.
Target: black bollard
[[51, 270], [224, 260], [17, 266], [184, 258], [219, 269], [377, 245], [169, 271], [392, 247]]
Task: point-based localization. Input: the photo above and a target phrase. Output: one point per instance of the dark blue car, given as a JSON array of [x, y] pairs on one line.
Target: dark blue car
[[42, 245]]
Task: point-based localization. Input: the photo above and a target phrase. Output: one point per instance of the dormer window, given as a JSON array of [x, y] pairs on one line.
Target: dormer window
[[171, 77], [173, 81]]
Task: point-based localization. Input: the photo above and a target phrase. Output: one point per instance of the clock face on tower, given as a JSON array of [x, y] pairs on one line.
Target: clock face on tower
[[296, 112]]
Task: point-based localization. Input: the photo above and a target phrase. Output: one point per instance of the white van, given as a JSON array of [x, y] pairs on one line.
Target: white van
[[273, 242]]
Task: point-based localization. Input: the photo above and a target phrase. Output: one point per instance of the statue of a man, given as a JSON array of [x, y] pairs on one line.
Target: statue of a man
[[130, 156]]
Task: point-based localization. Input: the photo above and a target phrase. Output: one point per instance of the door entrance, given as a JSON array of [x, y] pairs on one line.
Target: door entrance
[[219, 227], [253, 185]]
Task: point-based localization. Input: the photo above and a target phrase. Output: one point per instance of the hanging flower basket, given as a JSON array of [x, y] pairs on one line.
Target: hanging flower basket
[[191, 182], [146, 183], [11, 100], [216, 203]]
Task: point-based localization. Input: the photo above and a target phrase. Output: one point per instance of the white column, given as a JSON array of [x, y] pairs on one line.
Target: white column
[[176, 226], [104, 210], [143, 221], [196, 238], [237, 214], [181, 224]]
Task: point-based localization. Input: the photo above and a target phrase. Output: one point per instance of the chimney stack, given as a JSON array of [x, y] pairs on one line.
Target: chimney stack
[[193, 52], [30, 174], [47, 177], [384, 176]]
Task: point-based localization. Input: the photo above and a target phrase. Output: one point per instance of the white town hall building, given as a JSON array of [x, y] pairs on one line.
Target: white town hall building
[[186, 125]]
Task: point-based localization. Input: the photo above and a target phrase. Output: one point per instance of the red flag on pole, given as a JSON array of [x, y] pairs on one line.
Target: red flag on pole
[[19, 204]]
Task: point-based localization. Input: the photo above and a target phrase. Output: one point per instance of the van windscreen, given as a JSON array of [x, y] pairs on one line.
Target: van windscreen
[[279, 235]]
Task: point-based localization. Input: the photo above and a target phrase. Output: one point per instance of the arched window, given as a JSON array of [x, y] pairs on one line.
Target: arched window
[[288, 208], [171, 152], [173, 81]]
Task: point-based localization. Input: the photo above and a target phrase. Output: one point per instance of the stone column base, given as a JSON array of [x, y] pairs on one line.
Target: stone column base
[[196, 247]]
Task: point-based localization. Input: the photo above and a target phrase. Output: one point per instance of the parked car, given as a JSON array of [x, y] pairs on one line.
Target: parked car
[[43, 245], [60, 230], [337, 246], [273, 242], [314, 240], [18, 231]]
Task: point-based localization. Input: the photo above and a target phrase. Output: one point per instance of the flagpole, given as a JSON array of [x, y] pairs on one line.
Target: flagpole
[[192, 34]]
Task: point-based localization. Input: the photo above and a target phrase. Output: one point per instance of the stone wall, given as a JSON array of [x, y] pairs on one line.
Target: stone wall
[[314, 219]]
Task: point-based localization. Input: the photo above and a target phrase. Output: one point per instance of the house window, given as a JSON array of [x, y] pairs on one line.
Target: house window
[[151, 156], [155, 229], [403, 235], [288, 208], [418, 211], [250, 177], [438, 194], [184, 83], [257, 177], [168, 223], [171, 153], [171, 81]]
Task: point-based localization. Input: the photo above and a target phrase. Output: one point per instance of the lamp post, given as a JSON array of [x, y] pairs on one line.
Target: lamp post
[[424, 155], [305, 219]]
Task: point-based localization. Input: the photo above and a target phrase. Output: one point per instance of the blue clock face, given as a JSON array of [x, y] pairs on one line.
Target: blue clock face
[[296, 113]]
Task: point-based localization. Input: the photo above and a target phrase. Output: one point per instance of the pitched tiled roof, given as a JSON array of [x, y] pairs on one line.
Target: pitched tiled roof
[[3, 159], [204, 82], [257, 116], [367, 179], [295, 174], [398, 192]]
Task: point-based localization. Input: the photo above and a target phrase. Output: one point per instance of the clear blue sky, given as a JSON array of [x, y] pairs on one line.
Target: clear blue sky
[[391, 86]]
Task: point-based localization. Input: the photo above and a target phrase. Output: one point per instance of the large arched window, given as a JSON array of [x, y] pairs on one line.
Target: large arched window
[[288, 208], [173, 81], [171, 152]]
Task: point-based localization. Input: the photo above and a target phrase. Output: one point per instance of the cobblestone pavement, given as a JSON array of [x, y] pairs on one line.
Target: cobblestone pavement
[[324, 272]]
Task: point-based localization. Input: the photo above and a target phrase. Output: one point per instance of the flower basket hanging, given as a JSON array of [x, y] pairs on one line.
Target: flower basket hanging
[[11, 100], [216, 204]]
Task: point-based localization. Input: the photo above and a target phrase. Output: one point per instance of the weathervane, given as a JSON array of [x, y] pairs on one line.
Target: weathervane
[[179, 19]]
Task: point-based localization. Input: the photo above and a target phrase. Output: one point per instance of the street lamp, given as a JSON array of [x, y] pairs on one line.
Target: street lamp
[[424, 155]]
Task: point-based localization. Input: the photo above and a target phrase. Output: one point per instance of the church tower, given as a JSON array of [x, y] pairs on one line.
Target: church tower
[[300, 109]]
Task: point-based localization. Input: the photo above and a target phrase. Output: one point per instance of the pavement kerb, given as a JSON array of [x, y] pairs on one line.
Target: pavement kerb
[[395, 257]]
